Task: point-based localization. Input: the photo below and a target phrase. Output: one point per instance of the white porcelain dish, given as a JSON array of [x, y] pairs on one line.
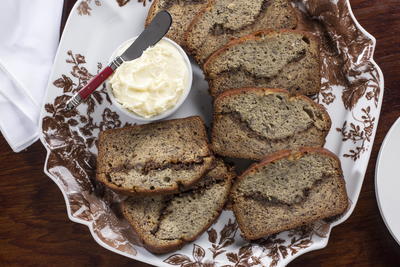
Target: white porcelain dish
[[387, 180], [168, 112], [93, 31]]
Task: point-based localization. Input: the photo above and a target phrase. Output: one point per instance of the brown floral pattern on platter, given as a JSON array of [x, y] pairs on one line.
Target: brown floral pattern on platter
[[273, 247], [144, 2], [122, 2], [197, 259], [346, 71], [226, 238], [345, 51], [72, 135], [359, 133], [374, 90], [84, 7], [244, 257], [277, 249]]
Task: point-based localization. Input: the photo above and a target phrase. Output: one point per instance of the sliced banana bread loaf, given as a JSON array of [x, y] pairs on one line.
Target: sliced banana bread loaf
[[273, 59], [223, 20], [253, 122], [182, 12], [166, 223], [154, 158], [287, 190]]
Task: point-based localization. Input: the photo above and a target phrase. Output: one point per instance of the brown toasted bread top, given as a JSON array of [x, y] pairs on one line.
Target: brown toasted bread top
[[258, 35]]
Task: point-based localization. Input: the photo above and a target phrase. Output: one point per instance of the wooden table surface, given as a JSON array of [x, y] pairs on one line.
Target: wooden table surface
[[35, 229]]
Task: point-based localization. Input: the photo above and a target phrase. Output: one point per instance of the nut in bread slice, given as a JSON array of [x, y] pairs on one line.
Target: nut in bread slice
[[166, 223], [223, 20], [154, 158], [271, 59], [253, 122], [182, 12], [289, 189]]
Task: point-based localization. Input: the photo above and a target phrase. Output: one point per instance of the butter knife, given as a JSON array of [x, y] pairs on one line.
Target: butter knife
[[153, 33]]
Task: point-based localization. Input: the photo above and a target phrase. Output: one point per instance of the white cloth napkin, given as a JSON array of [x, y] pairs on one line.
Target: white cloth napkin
[[29, 34]]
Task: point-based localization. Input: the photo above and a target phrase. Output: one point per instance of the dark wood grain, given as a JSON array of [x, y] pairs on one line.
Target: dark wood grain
[[35, 229]]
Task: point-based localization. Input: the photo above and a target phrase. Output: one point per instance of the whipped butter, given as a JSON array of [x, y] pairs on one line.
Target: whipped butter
[[152, 83]]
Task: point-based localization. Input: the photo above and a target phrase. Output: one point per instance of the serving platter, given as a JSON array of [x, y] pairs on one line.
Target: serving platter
[[352, 89]]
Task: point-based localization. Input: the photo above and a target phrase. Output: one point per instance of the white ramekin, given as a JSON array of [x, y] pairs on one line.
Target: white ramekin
[[166, 113]]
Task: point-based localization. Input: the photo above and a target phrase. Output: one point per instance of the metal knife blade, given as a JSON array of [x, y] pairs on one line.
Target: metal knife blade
[[153, 33]]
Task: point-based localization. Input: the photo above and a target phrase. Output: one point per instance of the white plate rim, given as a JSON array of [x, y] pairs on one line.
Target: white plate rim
[[378, 167]]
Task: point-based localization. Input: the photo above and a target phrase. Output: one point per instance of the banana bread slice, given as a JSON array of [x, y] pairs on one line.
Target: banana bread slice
[[273, 59], [182, 13], [287, 190], [166, 223], [154, 158], [223, 20], [253, 122]]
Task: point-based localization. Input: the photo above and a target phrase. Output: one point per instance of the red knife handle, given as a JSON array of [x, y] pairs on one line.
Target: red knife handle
[[89, 88]]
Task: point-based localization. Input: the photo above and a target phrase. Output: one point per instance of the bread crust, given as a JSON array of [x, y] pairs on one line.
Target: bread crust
[[277, 156], [101, 176], [196, 18], [177, 34], [175, 245], [151, 13], [238, 91]]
